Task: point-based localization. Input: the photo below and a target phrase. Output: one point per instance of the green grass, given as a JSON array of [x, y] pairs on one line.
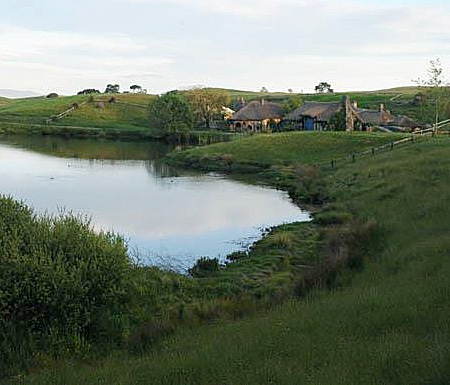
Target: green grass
[[263, 151], [387, 324], [130, 112]]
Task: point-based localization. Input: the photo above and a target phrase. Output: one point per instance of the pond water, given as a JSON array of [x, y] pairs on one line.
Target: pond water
[[168, 217]]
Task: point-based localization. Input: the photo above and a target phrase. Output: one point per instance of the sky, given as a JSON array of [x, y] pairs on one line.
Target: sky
[[65, 46]]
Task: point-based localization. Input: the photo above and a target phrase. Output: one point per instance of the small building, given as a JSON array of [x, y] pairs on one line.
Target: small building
[[343, 115], [313, 116], [373, 118], [257, 116]]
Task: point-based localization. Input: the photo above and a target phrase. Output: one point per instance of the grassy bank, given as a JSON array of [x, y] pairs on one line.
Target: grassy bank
[[282, 149], [387, 324]]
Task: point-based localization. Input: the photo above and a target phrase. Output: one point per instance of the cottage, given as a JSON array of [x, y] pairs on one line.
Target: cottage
[[343, 115], [259, 115], [314, 115]]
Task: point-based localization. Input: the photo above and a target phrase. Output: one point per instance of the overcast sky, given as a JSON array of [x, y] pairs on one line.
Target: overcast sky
[[65, 46]]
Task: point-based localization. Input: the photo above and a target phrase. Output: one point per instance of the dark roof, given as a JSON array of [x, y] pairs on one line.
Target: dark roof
[[322, 111], [404, 121], [259, 110], [375, 117]]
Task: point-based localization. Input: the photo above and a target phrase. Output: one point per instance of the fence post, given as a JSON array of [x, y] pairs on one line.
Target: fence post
[[392, 145], [353, 158], [373, 151], [332, 163]]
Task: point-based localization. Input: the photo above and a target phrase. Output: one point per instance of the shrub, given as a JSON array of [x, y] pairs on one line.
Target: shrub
[[60, 283], [204, 267]]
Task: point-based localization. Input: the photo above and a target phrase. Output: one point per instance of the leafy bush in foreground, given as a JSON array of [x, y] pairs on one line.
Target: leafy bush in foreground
[[62, 285]]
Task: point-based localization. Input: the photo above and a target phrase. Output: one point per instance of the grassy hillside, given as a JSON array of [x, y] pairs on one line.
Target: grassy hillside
[[386, 324], [130, 112]]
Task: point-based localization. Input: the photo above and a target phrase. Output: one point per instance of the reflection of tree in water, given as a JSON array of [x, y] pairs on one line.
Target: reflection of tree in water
[[91, 148], [159, 169]]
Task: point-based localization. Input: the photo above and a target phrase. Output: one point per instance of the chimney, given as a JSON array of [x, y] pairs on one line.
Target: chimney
[[262, 102], [381, 108], [355, 105], [349, 122]]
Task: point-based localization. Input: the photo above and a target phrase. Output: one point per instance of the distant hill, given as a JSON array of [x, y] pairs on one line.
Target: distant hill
[[17, 94], [130, 111]]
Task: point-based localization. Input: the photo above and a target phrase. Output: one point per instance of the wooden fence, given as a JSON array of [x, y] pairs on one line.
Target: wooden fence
[[374, 150], [63, 114]]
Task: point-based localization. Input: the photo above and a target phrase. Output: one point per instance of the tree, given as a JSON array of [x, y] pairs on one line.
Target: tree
[[292, 103], [135, 88], [264, 90], [171, 113], [323, 87], [435, 92], [88, 91], [112, 89], [290, 90], [207, 104]]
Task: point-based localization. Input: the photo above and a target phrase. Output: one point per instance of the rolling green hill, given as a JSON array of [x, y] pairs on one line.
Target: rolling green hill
[[130, 112]]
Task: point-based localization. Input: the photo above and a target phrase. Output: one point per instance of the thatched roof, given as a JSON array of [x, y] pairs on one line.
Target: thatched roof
[[259, 110], [374, 117], [404, 121], [322, 111]]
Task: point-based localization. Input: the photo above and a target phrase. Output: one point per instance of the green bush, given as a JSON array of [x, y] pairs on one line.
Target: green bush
[[204, 267], [62, 285]]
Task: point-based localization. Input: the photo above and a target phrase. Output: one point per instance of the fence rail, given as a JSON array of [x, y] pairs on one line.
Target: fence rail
[[372, 151], [63, 114], [443, 124]]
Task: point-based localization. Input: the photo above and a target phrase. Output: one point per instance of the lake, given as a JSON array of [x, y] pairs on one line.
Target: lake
[[167, 216]]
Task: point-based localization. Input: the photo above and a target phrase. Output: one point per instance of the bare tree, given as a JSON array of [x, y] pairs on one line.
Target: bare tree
[[434, 88]]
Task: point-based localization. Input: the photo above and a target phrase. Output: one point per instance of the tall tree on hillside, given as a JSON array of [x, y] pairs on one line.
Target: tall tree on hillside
[[112, 89], [171, 113], [207, 104], [323, 87], [435, 91]]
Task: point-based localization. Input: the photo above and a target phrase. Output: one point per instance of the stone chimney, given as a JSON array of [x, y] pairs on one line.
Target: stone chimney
[[263, 102], [349, 123], [355, 105], [381, 108]]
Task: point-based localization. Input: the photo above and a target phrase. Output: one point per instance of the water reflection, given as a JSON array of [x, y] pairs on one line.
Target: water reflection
[[177, 218]]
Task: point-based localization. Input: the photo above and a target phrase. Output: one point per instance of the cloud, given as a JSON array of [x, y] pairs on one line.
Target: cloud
[[231, 43], [247, 8], [54, 60]]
